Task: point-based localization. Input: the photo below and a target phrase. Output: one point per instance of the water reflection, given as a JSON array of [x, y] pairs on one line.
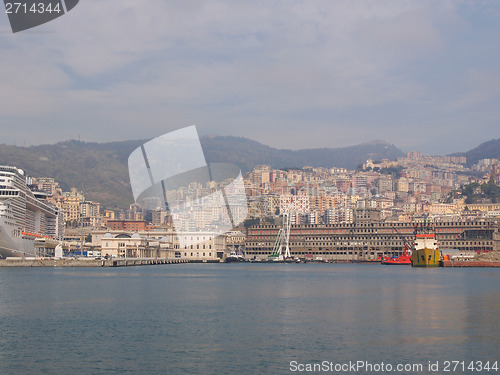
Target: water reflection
[[242, 318]]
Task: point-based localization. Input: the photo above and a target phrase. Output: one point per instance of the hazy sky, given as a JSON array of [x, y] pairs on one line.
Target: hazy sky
[[294, 74]]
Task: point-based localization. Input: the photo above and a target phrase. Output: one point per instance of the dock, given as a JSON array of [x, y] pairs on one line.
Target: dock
[[86, 262], [470, 263]]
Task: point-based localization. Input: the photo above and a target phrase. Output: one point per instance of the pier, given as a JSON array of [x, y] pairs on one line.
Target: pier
[[470, 263], [86, 262]]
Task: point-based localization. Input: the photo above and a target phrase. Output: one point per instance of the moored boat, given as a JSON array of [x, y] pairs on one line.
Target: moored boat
[[404, 259], [426, 252], [235, 257], [25, 215]]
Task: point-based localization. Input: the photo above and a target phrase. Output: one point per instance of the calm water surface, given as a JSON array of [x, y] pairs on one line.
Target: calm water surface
[[243, 319]]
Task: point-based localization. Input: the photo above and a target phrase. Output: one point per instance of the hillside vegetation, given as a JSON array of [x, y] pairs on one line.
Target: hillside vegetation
[[100, 169]]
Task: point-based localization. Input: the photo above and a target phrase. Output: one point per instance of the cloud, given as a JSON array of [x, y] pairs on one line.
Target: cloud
[[247, 68], [477, 89]]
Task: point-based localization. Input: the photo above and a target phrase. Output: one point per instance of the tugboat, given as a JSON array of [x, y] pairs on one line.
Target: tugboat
[[403, 259], [426, 252], [234, 257]]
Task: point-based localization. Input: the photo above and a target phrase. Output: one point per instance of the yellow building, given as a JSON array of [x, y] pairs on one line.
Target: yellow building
[[403, 185], [484, 207]]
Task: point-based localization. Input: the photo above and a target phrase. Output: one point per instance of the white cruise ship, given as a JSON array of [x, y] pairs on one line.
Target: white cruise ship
[[25, 215]]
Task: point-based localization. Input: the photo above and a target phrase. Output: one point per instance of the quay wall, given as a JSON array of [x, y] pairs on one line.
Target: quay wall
[[471, 263], [84, 262]]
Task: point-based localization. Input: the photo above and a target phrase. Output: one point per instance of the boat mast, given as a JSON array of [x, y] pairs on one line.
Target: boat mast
[[285, 237]]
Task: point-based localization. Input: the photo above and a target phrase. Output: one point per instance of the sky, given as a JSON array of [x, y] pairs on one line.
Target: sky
[[423, 75]]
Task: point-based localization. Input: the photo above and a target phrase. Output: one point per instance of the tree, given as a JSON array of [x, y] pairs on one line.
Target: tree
[[476, 191], [393, 171]]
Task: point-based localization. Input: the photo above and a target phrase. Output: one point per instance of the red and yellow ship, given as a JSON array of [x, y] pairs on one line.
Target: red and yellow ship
[[425, 251]]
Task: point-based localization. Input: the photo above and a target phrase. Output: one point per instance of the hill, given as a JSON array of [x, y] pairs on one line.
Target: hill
[[100, 169], [247, 154], [486, 150]]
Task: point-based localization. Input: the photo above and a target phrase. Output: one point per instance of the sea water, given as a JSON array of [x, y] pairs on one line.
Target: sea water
[[247, 319]]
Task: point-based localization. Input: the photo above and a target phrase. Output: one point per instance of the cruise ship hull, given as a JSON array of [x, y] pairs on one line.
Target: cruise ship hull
[[426, 258], [25, 215], [15, 247]]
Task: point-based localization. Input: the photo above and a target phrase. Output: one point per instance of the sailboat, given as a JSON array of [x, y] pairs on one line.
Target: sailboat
[[283, 239]]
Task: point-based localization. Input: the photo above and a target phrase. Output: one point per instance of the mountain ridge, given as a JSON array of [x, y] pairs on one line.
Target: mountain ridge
[[486, 150], [101, 171]]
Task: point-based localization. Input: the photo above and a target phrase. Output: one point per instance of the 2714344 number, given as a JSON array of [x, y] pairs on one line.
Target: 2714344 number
[[16, 8], [462, 366]]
